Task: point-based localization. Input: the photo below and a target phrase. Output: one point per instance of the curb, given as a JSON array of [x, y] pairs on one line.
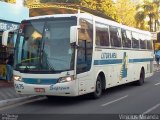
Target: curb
[[4, 103]]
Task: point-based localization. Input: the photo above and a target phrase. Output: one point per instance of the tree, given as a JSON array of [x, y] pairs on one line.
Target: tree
[[89, 4], [4, 0], [125, 10], [60, 1], [30, 2], [148, 9], [140, 19], [104, 6], [107, 7], [157, 3]]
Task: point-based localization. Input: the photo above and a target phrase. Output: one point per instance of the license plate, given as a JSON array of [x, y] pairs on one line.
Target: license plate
[[39, 90]]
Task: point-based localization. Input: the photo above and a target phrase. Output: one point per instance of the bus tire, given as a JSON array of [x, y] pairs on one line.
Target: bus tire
[[98, 88], [141, 78]]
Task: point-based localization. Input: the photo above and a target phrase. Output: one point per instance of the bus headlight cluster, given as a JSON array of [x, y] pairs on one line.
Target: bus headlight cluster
[[66, 79], [17, 78]]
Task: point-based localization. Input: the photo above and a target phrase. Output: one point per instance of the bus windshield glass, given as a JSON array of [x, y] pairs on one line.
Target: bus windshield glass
[[44, 46]]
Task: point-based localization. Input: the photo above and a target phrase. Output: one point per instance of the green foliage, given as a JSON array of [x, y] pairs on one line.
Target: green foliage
[[125, 10], [4, 0], [150, 10], [104, 6], [140, 19]]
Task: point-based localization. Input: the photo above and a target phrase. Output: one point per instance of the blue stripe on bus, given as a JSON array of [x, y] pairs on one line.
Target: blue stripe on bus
[[40, 81], [118, 61], [110, 61], [140, 60]]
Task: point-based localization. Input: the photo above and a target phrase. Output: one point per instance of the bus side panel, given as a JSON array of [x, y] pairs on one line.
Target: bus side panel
[[86, 82], [122, 66]]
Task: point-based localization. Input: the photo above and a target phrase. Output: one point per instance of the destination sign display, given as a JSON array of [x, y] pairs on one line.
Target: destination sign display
[[7, 26]]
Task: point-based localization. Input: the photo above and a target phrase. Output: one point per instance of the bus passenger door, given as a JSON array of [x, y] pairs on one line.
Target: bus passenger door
[[84, 60], [84, 56]]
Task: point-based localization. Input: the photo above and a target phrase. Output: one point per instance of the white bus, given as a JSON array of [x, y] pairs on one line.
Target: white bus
[[76, 54]]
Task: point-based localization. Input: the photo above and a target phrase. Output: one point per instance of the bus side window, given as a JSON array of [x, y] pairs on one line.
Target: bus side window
[[143, 42], [149, 43], [115, 37], [102, 35], [126, 38], [135, 40]]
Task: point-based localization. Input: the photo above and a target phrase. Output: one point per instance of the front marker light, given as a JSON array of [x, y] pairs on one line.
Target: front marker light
[[66, 79], [17, 78]]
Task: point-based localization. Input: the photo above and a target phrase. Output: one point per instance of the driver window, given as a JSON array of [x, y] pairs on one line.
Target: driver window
[[85, 41]]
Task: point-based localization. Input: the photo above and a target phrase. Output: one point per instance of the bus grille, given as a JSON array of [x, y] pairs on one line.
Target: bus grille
[[39, 81]]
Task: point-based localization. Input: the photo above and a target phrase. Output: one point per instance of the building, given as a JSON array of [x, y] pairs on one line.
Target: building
[[10, 18]]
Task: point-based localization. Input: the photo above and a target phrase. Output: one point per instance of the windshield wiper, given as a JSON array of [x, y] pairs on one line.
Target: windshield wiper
[[26, 69]]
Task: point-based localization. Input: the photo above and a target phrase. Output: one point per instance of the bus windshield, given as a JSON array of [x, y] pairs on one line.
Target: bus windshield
[[44, 46]]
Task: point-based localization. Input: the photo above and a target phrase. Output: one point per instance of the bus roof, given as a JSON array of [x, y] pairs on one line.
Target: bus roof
[[96, 18]]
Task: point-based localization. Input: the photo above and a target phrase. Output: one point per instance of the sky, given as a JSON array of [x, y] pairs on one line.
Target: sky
[[19, 2], [11, 11]]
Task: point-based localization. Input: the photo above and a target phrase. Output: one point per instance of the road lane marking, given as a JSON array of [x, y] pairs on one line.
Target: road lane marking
[[108, 103], [157, 84], [151, 109]]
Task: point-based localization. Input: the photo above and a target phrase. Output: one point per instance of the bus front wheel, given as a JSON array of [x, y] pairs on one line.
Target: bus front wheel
[[98, 89], [141, 78]]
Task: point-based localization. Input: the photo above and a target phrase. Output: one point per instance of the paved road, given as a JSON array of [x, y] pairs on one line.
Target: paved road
[[125, 99]]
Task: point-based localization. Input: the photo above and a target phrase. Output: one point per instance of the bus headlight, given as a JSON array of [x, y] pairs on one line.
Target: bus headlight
[[66, 79], [17, 78]]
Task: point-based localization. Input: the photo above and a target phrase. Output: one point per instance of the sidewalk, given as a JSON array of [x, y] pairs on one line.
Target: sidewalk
[[156, 68], [8, 94], [7, 90]]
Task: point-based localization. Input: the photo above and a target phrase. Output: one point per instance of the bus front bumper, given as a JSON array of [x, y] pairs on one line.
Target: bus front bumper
[[58, 89]]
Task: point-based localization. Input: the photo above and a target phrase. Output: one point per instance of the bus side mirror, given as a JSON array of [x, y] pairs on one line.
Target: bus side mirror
[[73, 33]]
